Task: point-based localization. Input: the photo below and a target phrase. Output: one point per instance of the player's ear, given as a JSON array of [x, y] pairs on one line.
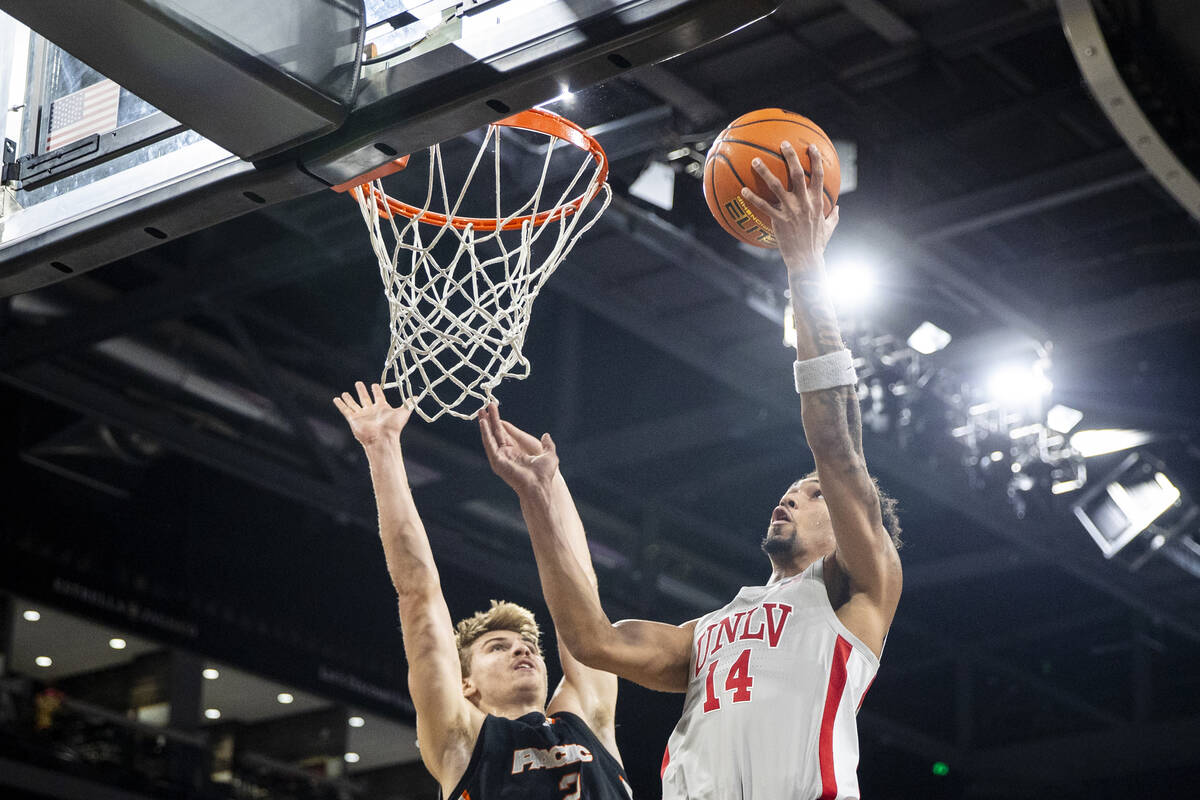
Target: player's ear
[[470, 690]]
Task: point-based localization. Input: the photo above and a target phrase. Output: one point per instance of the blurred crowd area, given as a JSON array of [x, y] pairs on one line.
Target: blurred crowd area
[[53, 735]]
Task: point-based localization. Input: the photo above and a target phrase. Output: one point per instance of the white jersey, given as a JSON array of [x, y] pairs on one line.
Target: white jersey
[[774, 686]]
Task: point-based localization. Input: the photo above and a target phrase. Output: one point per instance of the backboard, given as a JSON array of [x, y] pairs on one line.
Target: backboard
[[132, 122]]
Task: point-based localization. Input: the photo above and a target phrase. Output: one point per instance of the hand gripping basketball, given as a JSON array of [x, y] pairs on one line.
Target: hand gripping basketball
[[729, 166], [797, 216]]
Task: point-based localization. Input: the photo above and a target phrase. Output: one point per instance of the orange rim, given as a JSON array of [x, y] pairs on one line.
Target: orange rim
[[539, 121]]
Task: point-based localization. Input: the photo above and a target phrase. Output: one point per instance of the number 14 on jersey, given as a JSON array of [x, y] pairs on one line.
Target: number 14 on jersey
[[738, 683]]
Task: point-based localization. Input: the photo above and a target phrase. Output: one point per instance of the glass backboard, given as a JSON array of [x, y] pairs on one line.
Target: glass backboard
[[112, 148]]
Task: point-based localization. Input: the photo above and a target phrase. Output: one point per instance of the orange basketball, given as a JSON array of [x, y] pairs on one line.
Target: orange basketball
[[727, 169]]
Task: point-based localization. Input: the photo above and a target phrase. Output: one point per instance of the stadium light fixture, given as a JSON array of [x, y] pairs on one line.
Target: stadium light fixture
[[1018, 384], [1103, 441], [1066, 487], [928, 338], [851, 284], [1024, 431], [655, 185], [1063, 418], [1119, 509]]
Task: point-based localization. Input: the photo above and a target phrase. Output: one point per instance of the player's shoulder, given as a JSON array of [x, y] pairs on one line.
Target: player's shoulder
[[884, 584], [571, 723]]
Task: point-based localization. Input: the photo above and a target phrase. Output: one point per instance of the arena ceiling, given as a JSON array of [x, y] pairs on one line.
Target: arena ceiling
[[169, 415]]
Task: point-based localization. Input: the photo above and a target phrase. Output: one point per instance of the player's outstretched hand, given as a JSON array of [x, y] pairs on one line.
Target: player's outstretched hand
[[522, 460], [797, 216], [372, 419]]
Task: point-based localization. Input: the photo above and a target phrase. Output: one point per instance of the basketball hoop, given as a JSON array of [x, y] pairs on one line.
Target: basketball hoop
[[458, 318]]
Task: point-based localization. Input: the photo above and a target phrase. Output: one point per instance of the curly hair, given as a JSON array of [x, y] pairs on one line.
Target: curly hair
[[502, 616], [887, 508]]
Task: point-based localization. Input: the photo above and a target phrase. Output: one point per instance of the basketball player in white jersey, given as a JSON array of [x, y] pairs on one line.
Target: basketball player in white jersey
[[775, 678], [484, 728]]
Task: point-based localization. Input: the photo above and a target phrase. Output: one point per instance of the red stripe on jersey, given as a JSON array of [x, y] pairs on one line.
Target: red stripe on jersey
[[833, 698], [666, 760], [870, 683]]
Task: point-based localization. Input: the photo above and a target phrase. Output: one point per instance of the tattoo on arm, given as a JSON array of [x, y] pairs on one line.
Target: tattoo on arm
[[834, 417], [854, 420], [817, 312], [829, 415]]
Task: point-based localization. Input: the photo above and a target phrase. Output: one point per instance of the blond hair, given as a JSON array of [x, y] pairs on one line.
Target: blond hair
[[502, 616]]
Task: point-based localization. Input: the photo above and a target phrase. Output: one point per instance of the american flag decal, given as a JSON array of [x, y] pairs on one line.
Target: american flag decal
[[79, 114]]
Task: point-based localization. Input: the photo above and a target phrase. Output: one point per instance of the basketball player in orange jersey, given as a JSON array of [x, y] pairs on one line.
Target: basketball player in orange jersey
[[775, 678], [480, 690]]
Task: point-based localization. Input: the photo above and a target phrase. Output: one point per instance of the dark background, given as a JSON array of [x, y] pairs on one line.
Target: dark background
[[996, 200]]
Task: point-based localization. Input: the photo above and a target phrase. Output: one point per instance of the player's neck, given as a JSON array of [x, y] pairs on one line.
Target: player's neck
[[512, 710], [788, 567]]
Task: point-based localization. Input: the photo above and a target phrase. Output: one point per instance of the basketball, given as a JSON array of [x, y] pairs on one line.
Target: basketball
[[727, 169]]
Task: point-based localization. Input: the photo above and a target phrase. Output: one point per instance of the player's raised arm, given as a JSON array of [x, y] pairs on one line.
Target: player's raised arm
[[652, 654], [447, 724], [829, 403]]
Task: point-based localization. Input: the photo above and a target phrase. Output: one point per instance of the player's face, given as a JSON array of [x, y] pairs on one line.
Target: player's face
[[506, 669], [800, 524]]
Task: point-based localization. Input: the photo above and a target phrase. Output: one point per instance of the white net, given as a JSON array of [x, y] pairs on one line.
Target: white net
[[459, 299]]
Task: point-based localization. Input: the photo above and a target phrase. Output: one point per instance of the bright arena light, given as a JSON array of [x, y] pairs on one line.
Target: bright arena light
[[357, 722], [928, 338], [1107, 440], [1023, 431], [1063, 418], [117, 643], [211, 674], [30, 615], [212, 713], [284, 698], [851, 284], [44, 661], [351, 758], [789, 326], [1013, 384]]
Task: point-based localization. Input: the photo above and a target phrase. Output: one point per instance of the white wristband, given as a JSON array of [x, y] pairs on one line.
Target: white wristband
[[825, 372]]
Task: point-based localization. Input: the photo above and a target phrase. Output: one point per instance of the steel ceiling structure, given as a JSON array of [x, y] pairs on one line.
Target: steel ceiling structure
[[999, 201]]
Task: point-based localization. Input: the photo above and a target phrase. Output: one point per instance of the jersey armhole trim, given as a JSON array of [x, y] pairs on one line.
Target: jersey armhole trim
[[856, 643], [476, 753], [818, 573]]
